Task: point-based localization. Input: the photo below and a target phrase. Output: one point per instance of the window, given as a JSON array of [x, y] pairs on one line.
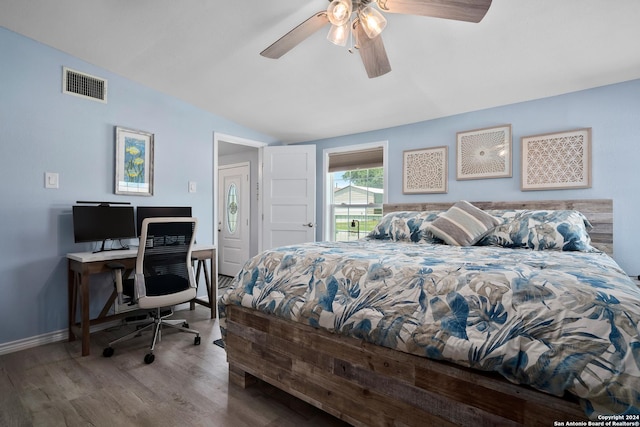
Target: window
[[355, 191]]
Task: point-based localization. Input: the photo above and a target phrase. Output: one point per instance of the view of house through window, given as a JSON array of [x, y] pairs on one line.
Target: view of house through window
[[356, 204]]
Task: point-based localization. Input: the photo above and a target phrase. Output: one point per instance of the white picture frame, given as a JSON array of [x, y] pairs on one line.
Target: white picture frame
[[425, 170], [554, 161], [484, 153], [134, 162]]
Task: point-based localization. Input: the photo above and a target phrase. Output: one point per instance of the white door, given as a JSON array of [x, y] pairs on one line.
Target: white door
[[233, 218], [289, 179]]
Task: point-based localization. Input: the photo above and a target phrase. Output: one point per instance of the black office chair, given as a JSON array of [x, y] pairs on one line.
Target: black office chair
[[163, 276]]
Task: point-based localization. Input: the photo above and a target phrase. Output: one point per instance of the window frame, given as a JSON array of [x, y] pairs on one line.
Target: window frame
[[328, 231]]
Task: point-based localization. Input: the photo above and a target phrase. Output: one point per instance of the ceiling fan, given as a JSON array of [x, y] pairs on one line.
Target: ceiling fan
[[365, 23]]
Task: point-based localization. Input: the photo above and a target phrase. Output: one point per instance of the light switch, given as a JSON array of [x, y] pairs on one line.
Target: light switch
[[51, 180], [192, 187]]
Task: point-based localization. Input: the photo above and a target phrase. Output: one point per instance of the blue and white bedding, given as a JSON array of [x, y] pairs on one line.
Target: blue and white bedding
[[557, 321]]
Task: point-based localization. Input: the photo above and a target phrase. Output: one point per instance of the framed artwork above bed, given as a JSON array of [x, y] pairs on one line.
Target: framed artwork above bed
[[555, 161], [484, 153], [425, 170]]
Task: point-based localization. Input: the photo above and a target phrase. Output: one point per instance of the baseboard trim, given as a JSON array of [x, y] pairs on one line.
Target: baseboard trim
[[61, 335], [48, 338]]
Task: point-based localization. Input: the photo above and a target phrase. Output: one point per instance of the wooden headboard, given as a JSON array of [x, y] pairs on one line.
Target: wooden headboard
[[598, 211]]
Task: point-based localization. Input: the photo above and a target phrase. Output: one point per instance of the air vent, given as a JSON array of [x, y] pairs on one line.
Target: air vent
[[84, 85]]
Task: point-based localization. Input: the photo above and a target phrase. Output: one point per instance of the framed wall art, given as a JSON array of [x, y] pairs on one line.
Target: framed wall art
[[557, 160], [425, 170], [484, 153], [134, 162]]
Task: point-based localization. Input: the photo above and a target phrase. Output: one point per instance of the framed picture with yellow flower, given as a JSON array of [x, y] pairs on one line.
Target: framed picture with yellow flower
[[134, 162]]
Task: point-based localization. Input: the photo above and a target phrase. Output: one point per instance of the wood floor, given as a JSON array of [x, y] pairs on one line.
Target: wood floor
[[52, 385]]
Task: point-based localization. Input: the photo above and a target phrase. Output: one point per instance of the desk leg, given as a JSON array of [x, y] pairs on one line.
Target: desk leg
[[192, 304], [72, 296], [85, 325], [214, 287], [211, 290]]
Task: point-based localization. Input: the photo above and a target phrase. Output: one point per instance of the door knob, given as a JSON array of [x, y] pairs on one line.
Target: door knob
[[310, 225]]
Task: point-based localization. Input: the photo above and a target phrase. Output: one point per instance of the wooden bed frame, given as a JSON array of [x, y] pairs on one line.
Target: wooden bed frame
[[367, 385]]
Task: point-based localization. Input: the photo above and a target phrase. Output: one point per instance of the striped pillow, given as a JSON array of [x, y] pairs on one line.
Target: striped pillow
[[463, 224]]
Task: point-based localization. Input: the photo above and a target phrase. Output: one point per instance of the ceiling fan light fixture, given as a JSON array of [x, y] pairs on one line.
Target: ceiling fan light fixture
[[339, 12], [372, 21], [365, 24], [338, 34]]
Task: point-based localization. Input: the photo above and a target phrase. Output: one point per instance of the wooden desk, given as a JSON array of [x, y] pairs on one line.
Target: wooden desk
[[84, 264]]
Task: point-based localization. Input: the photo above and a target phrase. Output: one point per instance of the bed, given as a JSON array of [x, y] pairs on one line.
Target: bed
[[400, 330]]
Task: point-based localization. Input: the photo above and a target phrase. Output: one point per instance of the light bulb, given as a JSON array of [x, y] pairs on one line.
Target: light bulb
[[372, 21], [339, 12], [338, 34]]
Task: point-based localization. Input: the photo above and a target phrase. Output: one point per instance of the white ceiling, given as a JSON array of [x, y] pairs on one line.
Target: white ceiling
[[206, 52]]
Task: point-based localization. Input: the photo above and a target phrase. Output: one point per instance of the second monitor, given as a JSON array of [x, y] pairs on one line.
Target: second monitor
[[143, 212]]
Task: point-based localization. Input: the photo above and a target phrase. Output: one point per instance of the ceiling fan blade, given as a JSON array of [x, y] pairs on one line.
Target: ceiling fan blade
[[294, 37], [459, 10], [372, 52]]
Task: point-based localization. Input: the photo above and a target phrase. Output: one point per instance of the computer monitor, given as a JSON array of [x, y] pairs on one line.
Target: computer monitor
[[102, 223], [143, 212]]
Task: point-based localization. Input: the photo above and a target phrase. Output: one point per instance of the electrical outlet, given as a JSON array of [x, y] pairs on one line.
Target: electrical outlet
[[51, 180], [192, 187]]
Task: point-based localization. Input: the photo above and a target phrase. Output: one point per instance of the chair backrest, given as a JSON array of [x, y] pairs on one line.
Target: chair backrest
[[164, 272]]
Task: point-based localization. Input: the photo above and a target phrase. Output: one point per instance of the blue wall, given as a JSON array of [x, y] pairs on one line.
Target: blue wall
[[613, 113], [43, 130]]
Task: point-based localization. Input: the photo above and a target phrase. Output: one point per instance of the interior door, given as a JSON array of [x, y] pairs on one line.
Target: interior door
[[233, 218], [289, 180]]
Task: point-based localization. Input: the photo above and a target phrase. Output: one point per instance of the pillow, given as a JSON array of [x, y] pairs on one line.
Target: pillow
[[560, 230], [404, 226], [503, 215], [426, 236], [463, 224]]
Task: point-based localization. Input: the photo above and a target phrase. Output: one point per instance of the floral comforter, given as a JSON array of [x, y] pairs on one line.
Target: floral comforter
[[557, 321]]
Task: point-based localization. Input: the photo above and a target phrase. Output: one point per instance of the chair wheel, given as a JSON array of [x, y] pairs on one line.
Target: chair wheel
[[196, 341], [185, 325], [107, 352], [149, 358]]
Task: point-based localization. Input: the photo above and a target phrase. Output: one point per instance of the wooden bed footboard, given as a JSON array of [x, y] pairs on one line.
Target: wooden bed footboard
[[368, 385]]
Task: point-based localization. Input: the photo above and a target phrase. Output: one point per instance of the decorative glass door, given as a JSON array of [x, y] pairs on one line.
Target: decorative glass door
[[233, 218], [232, 208]]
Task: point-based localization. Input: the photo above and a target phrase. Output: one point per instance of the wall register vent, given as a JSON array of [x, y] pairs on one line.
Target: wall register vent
[[84, 85]]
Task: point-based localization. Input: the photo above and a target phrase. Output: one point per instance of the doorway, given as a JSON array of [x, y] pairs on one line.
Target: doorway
[[227, 150], [275, 213], [234, 227]]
